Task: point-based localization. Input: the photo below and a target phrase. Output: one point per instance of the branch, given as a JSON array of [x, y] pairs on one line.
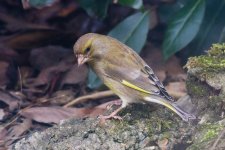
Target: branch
[[91, 96]]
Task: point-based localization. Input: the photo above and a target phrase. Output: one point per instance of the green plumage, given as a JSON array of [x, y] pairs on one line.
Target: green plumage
[[124, 71]]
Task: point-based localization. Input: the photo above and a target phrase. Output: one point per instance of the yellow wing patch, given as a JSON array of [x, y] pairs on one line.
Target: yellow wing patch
[[134, 86]]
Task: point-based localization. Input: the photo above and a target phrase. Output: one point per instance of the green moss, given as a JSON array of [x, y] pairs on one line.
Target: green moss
[[207, 134], [213, 61], [166, 135], [195, 88], [158, 125], [119, 126], [210, 131], [217, 50]]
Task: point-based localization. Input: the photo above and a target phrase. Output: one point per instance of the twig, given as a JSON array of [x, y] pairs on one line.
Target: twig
[[91, 96], [217, 140], [104, 94], [20, 80]]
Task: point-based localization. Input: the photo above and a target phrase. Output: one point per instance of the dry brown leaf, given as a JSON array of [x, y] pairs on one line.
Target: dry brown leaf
[[3, 77], [75, 75], [12, 101], [3, 114], [32, 38], [55, 114], [58, 98], [49, 73], [3, 133], [14, 24], [7, 54], [44, 57], [15, 132], [177, 89]]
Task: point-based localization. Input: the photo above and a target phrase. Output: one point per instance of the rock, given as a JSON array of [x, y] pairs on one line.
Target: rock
[[139, 130], [206, 87], [206, 82], [151, 129]]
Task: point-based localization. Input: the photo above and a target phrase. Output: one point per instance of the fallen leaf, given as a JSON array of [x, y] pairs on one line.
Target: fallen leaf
[[15, 132], [55, 114], [7, 54], [12, 101], [3, 77], [46, 75], [59, 97], [45, 57], [33, 38], [3, 114], [177, 89], [3, 133], [75, 75]]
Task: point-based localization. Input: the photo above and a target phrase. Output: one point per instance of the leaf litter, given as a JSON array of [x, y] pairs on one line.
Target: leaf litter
[[36, 52]]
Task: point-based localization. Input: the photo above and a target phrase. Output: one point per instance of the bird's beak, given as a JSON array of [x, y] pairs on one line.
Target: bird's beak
[[81, 59]]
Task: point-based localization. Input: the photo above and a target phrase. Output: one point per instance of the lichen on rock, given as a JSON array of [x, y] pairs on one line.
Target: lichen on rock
[[214, 60], [206, 87]]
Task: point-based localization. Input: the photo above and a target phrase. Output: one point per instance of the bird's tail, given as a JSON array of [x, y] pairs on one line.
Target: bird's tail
[[172, 106]]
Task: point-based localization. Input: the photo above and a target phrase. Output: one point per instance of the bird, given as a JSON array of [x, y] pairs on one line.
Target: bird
[[124, 72]]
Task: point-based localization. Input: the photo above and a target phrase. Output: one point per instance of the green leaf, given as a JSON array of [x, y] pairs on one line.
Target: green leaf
[[136, 4], [93, 81], [183, 27], [37, 3], [95, 7], [133, 32], [167, 10], [212, 28], [222, 36]]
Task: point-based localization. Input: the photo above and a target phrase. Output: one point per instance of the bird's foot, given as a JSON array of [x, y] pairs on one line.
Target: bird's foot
[[117, 102], [104, 118], [113, 115]]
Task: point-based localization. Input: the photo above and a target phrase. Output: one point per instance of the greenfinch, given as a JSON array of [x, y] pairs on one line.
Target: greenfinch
[[124, 72]]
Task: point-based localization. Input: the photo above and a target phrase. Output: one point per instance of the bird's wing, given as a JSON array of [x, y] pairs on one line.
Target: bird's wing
[[132, 71], [155, 79]]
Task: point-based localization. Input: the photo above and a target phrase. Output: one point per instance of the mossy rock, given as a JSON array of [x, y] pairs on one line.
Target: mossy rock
[[213, 61], [206, 81], [137, 131], [208, 136], [206, 87]]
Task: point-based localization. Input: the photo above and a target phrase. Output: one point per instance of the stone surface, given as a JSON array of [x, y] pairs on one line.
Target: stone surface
[[151, 129], [139, 130]]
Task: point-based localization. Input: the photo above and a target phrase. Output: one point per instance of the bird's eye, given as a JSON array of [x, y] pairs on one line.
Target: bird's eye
[[87, 50]]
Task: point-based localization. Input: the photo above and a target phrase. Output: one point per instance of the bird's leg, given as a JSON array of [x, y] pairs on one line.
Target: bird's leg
[[117, 102], [112, 115]]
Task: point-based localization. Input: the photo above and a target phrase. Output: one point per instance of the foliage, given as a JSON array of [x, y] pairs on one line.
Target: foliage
[[133, 27], [95, 7], [136, 4], [194, 26], [191, 25], [183, 27]]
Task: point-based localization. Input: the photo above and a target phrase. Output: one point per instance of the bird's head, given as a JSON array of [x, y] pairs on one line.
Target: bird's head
[[83, 48]]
